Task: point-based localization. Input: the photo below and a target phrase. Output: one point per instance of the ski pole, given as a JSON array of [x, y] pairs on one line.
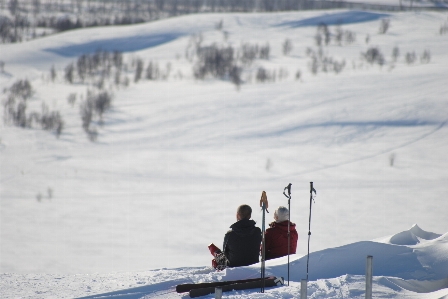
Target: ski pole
[[289, 220], [309, 227], [264, 207]]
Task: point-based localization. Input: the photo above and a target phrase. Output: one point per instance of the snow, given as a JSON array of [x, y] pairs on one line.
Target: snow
[[400, 271], [131, 214], [403, 3]]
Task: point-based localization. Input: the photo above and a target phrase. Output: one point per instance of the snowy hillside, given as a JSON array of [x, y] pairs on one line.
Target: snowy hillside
[[400, 271], [363, 116]]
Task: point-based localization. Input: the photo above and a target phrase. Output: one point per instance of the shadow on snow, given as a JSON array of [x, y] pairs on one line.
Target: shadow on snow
[[340, 18], [360, 124], [161, 290], [121, 44]]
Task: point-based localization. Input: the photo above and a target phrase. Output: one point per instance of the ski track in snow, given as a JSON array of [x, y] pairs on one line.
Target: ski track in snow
[[389, 150]]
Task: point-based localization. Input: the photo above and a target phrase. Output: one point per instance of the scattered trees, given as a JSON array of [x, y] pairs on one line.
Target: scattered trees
[[225, 62], [15, 109], [321, 62], [341, 37]]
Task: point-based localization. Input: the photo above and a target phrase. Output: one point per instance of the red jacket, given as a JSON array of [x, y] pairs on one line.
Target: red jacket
[[276, 239]]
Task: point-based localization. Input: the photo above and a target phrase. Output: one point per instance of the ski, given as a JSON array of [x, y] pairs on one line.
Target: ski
[[201, 289], [181, 288], [267, 282]]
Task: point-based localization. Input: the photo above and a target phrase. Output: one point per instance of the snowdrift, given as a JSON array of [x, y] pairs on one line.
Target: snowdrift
[[400, 271], [427, 260]]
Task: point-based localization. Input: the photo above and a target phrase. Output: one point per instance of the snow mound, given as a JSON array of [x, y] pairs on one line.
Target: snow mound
[[426, 261], [415, 235]]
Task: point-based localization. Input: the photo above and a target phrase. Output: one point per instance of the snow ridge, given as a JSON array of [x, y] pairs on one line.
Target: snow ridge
[[413, 236]]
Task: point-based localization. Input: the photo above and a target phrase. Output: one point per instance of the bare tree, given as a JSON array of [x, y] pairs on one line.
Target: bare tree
[[138, 70], [384, 26], [287, 46]]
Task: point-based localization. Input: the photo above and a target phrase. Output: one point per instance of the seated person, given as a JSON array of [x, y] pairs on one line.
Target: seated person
[[241, 244], [276, 237]]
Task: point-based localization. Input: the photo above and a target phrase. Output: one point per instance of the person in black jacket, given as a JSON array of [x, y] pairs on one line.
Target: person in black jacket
[[242, 242]]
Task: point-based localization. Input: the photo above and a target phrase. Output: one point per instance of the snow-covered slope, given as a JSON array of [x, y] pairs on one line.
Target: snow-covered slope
[[400, 271], [174, 158]]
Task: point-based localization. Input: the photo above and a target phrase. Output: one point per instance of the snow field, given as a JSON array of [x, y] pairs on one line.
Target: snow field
[[175, 158]]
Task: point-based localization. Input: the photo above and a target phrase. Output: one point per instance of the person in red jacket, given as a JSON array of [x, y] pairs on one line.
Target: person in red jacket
[[276, 237]]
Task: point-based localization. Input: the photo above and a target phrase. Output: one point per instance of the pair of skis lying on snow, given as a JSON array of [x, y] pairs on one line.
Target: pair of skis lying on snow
[[202, 289]]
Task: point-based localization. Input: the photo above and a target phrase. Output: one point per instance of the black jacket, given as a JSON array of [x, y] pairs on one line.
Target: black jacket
[[242, 243]]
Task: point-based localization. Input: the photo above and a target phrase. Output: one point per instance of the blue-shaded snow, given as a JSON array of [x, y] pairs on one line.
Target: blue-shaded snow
[[161, 288], [388, 260], [339, 18], [122, 44], [360, 124]]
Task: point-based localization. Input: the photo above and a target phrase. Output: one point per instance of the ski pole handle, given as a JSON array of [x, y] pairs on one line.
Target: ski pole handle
[[264, 200], [312, 188], [289, 191]]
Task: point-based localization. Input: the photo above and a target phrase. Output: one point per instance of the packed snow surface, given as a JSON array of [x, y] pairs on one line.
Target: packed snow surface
[[130, 215]]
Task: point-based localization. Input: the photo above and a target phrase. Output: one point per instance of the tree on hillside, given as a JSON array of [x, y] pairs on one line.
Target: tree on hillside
[[384, 26], [287, 46], [138, 70], [69, 69]]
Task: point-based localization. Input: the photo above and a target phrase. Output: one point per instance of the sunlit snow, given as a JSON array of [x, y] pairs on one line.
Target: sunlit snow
[[133, 212]]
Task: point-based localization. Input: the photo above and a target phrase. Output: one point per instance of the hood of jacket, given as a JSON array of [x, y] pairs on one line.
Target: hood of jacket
[[283, 225], [243, 227]]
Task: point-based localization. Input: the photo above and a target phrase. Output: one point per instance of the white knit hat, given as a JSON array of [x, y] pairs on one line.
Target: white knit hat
[[281, 213]]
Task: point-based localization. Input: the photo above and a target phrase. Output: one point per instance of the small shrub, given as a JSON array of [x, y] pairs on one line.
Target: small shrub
[[51, 120], [346, 37], [349, 37], [69, 73], [410, 57], [15, 110], [52, 73], [219, 25], [367, 39], [262, 75], [22, 89], [322, 62], [323, 34], [248, 53], [264, 51], [86, 110], [384, 26], [235, 76], [95, 105], [152, 71], [287, 46], [318, 39], [395, 54], [444, 29], [426, 57], [138, 70], [214, 61], [374, 55]]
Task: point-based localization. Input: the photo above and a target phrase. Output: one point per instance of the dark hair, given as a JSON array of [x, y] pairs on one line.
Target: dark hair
[[244, 211]]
